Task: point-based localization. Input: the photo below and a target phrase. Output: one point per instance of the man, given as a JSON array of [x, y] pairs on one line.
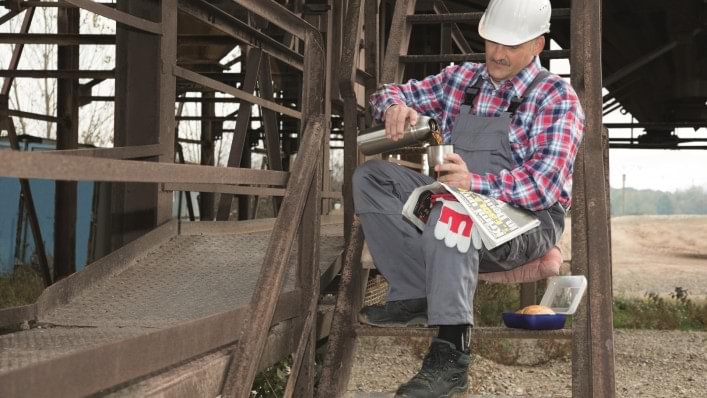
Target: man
[[516, 130]]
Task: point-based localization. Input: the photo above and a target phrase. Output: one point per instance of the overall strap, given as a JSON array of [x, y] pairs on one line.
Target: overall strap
[[516, 101], [472, 91]]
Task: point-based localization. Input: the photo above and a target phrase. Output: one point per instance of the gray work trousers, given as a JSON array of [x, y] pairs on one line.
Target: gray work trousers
[[415, 263]]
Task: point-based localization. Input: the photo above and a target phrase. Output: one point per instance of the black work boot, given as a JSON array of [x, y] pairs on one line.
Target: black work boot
[[444, 373], [411, 312]]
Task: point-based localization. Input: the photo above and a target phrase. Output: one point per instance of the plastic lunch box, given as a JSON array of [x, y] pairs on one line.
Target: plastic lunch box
[[563, 295]]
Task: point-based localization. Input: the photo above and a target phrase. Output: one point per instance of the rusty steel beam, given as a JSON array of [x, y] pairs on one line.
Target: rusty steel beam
[[206, 199], [118, 16], [241, 373], [228, 24], [338, 360], [308, 277], [457, 35], [327, 26], [238, 190], [468, 17], [658, 125], [7, 124], [58, 74], [334, 37], [476, 57], [249, 348], [46, 4], [347, 76], [8, 16], [16, 53], [278, 15], [445, 41], [187, 192], [60, 39], [241, 94], [593, 347], [477, 333], [371, 45], [639, 63], [312, 137], [372, 49], [104, 39], [300, 354], [645, 146], [75, 168], [128, 152], [235, 156], [398, 41], [34, 116], [270, 124], [67, 137]]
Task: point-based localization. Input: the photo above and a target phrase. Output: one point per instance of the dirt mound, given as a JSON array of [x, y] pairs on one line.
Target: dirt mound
[[657, 254]]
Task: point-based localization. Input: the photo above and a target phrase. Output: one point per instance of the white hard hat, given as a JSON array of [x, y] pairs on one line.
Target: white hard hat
[[512, 22]]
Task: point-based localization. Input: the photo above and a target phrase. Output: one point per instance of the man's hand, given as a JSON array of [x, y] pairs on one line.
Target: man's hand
[[395, 120], [454, 172]]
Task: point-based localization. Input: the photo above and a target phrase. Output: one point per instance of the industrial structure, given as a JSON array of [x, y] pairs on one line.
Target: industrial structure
[[198, 308]]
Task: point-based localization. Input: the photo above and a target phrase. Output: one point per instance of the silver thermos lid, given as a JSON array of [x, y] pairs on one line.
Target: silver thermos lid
[[373, 141]]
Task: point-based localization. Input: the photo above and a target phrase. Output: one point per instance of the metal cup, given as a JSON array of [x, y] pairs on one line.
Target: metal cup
[[436, 153]]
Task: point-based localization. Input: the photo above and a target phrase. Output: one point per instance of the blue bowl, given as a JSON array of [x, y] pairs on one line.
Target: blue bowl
[[534, 322]]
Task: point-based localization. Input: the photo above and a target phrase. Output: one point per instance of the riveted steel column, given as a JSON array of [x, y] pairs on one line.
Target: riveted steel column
[[346, 79], [398, 41], [593, 347], [206, 199], [67, 137], [145, 91]]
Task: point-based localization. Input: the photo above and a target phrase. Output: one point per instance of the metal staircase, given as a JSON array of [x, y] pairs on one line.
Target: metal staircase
[[591, 333]]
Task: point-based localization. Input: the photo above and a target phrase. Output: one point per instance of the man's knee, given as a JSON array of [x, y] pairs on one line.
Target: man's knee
[[363, 172]]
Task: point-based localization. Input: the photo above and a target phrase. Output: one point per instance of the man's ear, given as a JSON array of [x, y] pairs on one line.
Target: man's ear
[[539, 45]]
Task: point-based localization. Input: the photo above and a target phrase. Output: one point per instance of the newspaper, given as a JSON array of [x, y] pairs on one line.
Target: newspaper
[[495, 221]]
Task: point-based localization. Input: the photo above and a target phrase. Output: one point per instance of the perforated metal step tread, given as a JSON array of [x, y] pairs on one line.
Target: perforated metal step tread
[[183, 278]]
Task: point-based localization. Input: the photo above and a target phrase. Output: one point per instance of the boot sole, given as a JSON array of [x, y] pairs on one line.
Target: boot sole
[[418, 321]]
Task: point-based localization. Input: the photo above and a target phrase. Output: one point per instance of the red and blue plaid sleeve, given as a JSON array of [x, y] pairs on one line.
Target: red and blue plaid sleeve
[[553, 141], [426, 96]]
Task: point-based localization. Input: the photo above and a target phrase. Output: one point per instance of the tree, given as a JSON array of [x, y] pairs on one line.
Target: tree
[[39, 95], [664, 204]]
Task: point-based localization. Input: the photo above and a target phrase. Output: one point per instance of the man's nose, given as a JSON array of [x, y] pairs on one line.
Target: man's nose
[[497, 52]]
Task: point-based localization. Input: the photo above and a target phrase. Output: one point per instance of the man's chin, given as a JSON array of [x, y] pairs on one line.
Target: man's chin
[[499, 77]]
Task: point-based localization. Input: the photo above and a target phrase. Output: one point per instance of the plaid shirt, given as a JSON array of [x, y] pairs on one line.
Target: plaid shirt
[[545, 131]]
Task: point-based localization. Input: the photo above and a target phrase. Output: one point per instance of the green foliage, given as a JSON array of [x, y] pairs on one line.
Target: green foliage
[[656, 312], [491, 300], [22, 287], [271, 382], [646, 201]]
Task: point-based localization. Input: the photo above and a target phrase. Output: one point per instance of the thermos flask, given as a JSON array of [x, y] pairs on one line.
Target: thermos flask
[[374, 141]]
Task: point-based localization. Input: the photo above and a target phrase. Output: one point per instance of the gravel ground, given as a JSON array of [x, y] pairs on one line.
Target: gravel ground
[[650, 254], [648, 364]]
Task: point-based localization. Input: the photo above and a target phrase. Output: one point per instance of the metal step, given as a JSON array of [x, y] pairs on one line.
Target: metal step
[[477, 333], [468, 17], [475, 57], [365, 394]]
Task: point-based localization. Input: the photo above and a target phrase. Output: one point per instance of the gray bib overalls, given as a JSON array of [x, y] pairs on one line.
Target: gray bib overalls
[[418, 265]]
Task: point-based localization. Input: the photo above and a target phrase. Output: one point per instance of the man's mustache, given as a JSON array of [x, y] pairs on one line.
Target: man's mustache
[[501, 62]]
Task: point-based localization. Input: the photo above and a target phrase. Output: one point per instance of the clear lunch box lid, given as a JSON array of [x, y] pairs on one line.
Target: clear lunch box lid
[[564, 293]]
